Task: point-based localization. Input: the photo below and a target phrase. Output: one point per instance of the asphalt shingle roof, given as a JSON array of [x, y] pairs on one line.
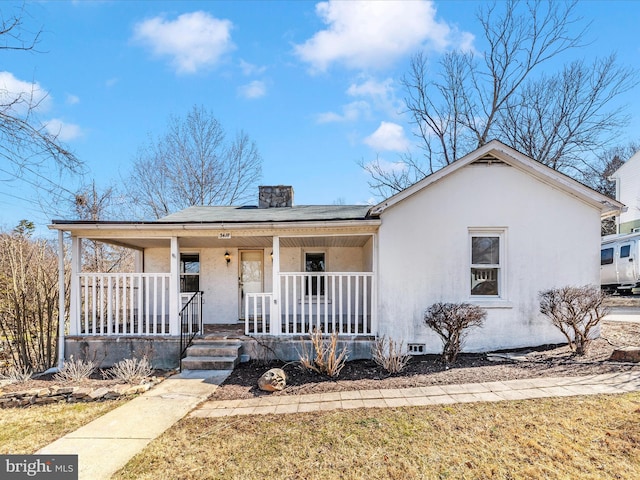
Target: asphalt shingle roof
[[250, 214]]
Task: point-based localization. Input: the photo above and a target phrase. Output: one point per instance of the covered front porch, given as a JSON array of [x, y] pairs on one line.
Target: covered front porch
[[282, 284]]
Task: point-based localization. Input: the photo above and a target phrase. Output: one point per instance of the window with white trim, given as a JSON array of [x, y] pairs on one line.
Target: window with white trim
[[487, 263]]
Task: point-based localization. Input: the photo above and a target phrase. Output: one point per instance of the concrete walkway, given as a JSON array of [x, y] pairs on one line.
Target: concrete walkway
[[421, 396], [623, 314], [109, 442]]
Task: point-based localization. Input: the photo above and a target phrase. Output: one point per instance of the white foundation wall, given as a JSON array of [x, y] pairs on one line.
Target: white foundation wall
[[552, 239]]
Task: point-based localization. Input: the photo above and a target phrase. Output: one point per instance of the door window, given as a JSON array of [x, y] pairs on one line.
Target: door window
[[314, 262], [189, 272]]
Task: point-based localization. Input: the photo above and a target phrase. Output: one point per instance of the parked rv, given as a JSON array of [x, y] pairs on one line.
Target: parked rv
[[620, 263]]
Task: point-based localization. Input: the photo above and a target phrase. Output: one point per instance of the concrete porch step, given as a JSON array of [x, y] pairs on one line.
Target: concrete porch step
[[211, 354], [210, 363], [214, 349]]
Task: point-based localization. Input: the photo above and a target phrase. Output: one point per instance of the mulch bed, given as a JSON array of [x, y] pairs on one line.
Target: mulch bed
[[546, 361]]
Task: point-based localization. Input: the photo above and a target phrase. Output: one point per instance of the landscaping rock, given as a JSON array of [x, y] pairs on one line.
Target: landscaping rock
[[273, 380], [626, 354]]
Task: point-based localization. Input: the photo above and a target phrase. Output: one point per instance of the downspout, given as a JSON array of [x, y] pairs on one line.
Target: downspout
[[61, 299]]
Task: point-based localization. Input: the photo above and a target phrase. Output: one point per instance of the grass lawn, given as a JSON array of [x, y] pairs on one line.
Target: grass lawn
[[25, 430], [566, 438]]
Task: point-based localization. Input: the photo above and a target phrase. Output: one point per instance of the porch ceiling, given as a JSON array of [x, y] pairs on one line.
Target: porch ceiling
[[243, 242]]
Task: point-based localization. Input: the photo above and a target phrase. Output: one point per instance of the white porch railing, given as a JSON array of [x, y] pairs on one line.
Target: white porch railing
[[123, 304], [329, 301]]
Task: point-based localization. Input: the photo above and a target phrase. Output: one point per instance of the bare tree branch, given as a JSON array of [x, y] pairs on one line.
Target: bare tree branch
[[194, 164], [559, 119]]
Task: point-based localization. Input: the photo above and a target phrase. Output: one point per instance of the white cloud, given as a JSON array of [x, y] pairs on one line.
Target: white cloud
[[381, 93], [372, 34], [251, 69], [72, 99], [389, 136], [64, 131], [255, 89], [192, 41], [19, 96], [350, 113]]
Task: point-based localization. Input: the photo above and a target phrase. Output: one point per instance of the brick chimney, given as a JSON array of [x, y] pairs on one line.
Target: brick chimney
[[275, 196]]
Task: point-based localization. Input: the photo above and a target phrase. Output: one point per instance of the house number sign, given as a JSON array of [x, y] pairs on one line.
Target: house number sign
[[224, 235]]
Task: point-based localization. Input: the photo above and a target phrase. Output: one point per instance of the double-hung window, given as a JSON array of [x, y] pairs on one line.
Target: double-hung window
[[487, 263]]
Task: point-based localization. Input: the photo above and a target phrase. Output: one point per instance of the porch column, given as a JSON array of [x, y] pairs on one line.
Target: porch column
[[74, 303], [276, 324], [174, 288], [61, 298], [374, 286]]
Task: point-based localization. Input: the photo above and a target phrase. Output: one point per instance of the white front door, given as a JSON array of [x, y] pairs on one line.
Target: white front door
[[250, 276]]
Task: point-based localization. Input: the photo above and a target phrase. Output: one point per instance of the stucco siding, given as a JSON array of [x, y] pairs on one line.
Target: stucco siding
[[550, 239], [219, 281]]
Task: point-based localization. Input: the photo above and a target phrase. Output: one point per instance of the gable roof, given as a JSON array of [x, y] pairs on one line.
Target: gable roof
[[495, 151]]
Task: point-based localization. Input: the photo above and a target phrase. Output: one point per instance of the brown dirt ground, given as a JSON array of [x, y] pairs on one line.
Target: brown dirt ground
[[551, 360]]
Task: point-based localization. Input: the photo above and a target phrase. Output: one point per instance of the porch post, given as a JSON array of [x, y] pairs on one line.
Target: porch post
[[61, 299], [276, 324], [74, 303], [374, 286], [174, 288]]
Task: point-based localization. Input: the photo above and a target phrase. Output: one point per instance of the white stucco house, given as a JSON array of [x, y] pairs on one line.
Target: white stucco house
[[493, 229], [627, 179]]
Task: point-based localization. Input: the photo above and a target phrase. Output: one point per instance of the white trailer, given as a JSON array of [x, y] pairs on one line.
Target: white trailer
[[620, 263]]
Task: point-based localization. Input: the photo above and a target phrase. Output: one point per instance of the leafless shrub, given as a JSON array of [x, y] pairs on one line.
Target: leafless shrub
[[390, 354], [17, 374], [575, 311], [451, 321], [129, 370], [327, 360], [75, 370]]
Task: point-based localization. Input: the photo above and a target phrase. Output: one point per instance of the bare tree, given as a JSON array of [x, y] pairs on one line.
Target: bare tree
[[557, 119], [92, 204], [194, 164], [26, 145], [28, 300]]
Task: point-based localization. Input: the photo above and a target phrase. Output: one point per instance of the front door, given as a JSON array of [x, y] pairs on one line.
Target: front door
[[250, 275]]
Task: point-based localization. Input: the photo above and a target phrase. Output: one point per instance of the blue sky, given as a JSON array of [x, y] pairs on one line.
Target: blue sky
[[316, 85]]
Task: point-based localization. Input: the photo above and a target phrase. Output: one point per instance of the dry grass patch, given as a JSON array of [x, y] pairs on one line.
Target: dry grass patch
[[25, 430], [587, 437]]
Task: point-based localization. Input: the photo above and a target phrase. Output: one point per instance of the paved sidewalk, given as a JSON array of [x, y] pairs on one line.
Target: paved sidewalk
[[420, 396], [109, 442]]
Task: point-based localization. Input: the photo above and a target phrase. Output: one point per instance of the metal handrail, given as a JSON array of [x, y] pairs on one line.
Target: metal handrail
[[188, 327]]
